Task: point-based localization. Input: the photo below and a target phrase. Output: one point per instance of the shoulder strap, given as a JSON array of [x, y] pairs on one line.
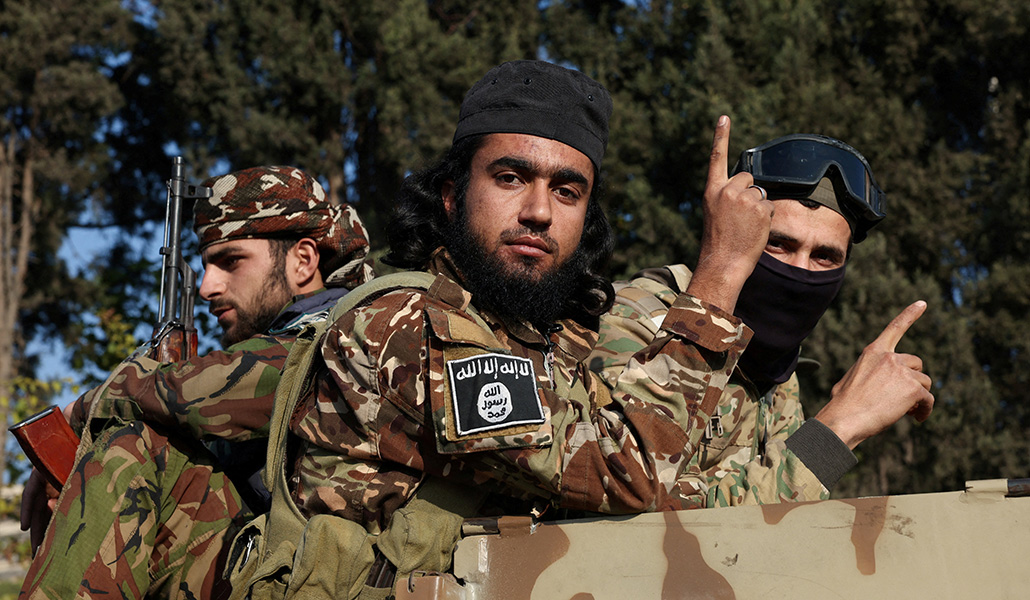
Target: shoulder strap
[[365, 293]]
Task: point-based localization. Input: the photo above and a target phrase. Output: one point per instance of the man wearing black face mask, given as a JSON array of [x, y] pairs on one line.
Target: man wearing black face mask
[[794, 281], [757, 447]]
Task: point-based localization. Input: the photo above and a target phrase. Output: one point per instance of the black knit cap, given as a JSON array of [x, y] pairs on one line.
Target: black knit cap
[[542, 99]]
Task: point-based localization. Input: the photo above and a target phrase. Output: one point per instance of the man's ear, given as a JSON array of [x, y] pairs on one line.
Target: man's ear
[[447, 194], [302, 266]]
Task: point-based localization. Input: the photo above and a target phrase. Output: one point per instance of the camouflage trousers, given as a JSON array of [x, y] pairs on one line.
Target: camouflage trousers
[[142, 515]]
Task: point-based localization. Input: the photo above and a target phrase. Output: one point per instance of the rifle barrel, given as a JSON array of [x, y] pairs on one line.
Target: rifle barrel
[[171, 251]]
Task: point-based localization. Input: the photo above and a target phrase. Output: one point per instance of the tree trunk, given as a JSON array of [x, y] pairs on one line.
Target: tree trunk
[[15, 241]]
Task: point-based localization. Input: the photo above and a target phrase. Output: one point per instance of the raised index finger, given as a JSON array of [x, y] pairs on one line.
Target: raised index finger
[[896, 329], [718, 172]]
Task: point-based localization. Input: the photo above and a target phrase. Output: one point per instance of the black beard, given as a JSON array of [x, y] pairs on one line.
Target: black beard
[[251, 321], [508, 291]]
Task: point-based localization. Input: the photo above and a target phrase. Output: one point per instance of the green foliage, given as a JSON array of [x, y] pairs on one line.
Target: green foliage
[[105, 345], [9, 589], [909, 457], [936, 94], [357, 93], [55, 97]]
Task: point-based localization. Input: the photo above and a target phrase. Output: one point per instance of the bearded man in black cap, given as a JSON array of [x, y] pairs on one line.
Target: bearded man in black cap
[[758, 448], [468, 379]]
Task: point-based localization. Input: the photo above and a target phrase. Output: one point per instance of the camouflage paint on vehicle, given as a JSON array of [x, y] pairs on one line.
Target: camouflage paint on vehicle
[[965, 544]]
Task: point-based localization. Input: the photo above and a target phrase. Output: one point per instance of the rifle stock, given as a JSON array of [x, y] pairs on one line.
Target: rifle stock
[[50, 444]]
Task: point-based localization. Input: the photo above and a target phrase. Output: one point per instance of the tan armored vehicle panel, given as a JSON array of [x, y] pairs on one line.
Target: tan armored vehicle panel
[[968, 544]]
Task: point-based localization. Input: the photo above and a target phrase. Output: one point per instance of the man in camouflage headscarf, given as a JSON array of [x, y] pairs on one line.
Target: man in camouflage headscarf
[[284, 203], [148, 509]]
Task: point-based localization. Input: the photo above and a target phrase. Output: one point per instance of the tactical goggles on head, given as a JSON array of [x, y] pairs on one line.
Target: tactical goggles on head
[[793, 165]]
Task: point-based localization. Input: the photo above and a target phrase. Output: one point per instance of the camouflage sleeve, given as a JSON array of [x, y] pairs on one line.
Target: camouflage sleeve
[[646, 310], [680, 375], [685, 368], [387, 417], [757, 467], [635, 318], [223, 394]]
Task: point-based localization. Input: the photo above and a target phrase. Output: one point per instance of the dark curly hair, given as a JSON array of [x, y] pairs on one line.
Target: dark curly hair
[[420, 221]]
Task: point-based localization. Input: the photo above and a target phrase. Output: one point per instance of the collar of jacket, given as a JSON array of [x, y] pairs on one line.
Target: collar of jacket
[[306, 307]]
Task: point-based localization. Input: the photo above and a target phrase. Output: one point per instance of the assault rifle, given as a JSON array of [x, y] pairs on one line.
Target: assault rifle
[[46, 438], [175, 337]]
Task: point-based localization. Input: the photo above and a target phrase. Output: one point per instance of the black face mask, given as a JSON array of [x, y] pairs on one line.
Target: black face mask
[[782, 304]]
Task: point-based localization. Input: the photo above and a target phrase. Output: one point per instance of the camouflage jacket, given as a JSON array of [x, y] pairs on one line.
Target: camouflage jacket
[[744, 456], [422, 382], [224, 394]]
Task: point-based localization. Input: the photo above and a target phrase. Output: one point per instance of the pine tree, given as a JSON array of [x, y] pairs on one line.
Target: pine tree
[[57, 98]]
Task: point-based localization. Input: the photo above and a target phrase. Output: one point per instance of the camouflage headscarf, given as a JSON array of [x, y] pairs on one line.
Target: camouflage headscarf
[[273, 202]]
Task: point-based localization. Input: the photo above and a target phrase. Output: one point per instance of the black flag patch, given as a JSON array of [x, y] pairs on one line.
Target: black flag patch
[[493, 391]]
